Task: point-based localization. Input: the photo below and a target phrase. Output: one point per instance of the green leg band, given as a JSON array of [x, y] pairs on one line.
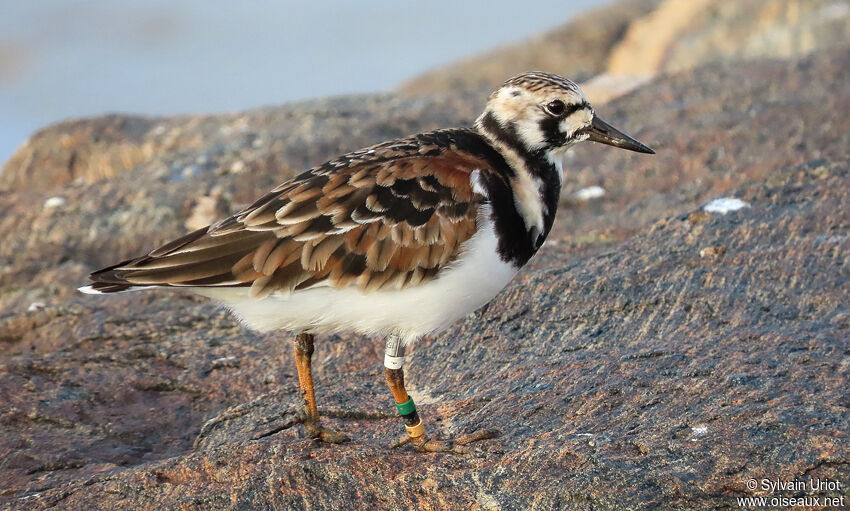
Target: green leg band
[[406, 408]]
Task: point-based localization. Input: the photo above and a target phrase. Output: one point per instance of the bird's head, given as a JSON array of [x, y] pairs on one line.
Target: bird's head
[[545, 114]]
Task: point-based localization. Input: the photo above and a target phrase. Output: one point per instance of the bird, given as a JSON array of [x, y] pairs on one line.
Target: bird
[[398, 240]]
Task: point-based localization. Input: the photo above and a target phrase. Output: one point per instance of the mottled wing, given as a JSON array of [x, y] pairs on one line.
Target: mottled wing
[[387, 217]]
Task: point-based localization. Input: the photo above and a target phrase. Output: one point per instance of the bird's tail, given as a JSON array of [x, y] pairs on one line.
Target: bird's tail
[[198, 259], [100, 288]]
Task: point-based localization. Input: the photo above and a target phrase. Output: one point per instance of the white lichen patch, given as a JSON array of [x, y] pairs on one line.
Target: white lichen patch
[[715, 250], [54, 202], [238, 167], [725, 205], [36, 306], [698, 431], [589, 193]]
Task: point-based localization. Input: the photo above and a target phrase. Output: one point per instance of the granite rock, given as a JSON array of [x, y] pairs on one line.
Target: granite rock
[[578, 49], [683, 34], [617, 48]]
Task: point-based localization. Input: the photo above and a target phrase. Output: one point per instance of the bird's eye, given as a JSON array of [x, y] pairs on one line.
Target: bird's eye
[[555, 107]]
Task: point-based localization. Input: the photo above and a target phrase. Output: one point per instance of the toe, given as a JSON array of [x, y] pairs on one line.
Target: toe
[[457, 446], [424, 444], [402, 440], [332, 437], [439, 446], [481, 434], [325, 435]]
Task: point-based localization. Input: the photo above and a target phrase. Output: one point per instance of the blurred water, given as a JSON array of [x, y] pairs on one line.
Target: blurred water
[[71, 58]]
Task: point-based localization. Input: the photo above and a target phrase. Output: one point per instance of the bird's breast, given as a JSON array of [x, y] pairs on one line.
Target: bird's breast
[[473, 279]]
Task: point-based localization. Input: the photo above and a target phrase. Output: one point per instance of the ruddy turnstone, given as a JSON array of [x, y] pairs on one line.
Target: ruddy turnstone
[[400, 239]]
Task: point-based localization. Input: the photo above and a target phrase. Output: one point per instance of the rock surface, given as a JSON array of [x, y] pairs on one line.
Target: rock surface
[[682, 34], [579, 49], [654, 355], [177, 147], [618, 47]]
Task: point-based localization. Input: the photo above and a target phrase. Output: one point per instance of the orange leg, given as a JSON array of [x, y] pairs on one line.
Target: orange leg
[[303, 356], [393, 360]]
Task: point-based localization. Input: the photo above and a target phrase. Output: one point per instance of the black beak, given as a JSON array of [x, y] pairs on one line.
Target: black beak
[[602, 132]]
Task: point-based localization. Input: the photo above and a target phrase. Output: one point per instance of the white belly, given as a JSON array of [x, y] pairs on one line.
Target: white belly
[[473, 279]]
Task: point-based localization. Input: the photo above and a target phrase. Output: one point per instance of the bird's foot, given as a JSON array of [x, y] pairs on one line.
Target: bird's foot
[[323, 434], [457, 446]]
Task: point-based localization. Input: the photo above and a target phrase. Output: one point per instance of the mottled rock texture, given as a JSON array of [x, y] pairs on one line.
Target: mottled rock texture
[[653, 356], [682, 34], [579, 49], [628, 41], [177, 147]]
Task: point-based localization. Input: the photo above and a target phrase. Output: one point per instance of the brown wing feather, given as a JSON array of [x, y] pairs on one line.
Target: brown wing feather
[[390, 216]]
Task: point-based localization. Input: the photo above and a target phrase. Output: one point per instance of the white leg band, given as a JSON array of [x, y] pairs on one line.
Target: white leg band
[[394, 353]]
